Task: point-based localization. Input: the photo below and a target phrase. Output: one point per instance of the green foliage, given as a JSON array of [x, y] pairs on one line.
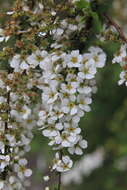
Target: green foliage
[[81, 4], [96, 23], [110, 47]]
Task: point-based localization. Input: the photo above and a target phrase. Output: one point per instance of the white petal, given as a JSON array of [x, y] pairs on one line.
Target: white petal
[[65, 143], [66, 159], [28, 172], [65, 109], [78, 151], [46, 133], [83, 144], [73, 111], [59, 126], [71, 150]]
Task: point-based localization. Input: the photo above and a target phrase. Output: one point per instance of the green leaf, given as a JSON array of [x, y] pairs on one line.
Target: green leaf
[[96, 22], [101, 6], [110, 47], [81, 4], [4, 65]]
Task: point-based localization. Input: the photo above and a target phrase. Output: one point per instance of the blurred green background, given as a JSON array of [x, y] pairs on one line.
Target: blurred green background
[[105, 126]]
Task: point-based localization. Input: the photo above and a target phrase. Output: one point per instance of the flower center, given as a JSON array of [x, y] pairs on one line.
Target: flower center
[[74, 59]]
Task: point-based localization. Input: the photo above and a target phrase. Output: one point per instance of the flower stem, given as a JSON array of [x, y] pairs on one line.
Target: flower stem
[[117, 27], [59, 182], [59, 174]]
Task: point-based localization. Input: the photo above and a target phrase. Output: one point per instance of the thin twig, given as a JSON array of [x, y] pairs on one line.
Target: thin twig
[[59, 181], [4, 174], [59, 174], [117, 27]]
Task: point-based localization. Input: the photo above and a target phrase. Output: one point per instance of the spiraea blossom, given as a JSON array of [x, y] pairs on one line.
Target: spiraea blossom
[[15, 131], [121, 58], [66, 85], [48, 71]]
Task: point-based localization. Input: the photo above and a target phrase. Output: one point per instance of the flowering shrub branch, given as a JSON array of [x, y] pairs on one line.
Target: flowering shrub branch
[[47, 47]]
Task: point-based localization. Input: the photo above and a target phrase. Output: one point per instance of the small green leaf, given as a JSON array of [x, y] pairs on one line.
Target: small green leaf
[[96, 22], [81, 4], [110, 47]]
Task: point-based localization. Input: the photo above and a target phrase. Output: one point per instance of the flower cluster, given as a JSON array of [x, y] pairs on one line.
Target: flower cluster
[[16, 125], [48, 69], [67, 83], [121, 58]]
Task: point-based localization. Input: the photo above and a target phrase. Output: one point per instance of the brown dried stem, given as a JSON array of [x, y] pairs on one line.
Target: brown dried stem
[[117, 27]]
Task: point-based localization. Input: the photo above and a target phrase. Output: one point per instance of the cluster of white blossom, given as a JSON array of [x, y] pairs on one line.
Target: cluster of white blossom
[[66, 82], [16, 125], [63, 80], [121, 58]]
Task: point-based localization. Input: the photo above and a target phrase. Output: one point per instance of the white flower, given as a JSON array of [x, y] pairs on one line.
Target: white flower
[[42, 115], [4, 161], [69, 88], [21, 169], [27, 172], [23, 162], [56, 161], [84, 102], [73, 80], [84, 88], [11, 139], [74, 59], [123, 78], [15, 62], [46, 178], [72, 129], [2, 36], [51, 131], [69, 107], [46, 64], [59, 126], [25, 112], [98, 56], [77, 148], [25, 140], [57, 32], [65, 165], [65, 139], [24, 65], [36, 58], [49, 96], [120, 55], [57, 113], [87, 71]]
